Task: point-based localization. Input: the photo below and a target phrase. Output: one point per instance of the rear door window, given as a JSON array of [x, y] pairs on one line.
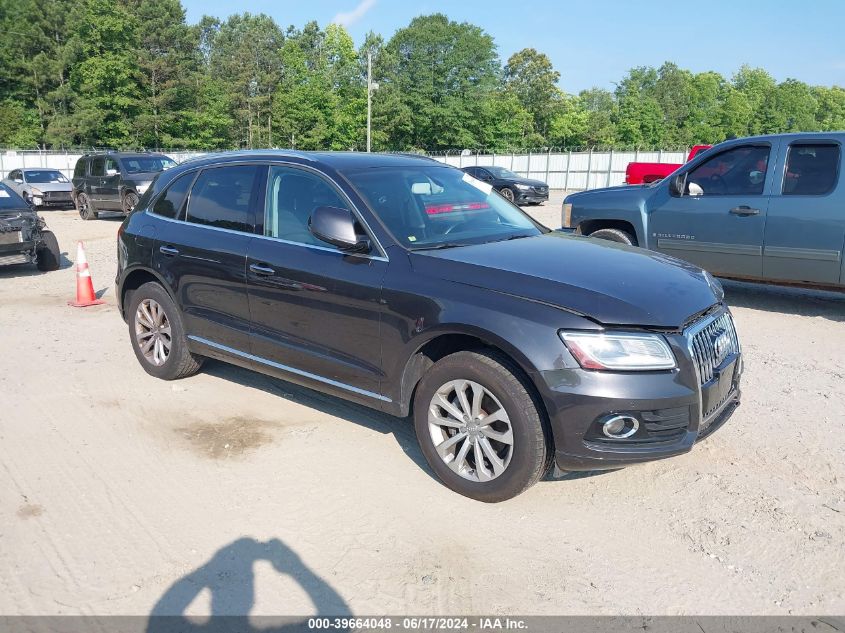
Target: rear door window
[[739, 171], [79, 170], [170, 204], [222, 197], [811, 169], [98, 167]]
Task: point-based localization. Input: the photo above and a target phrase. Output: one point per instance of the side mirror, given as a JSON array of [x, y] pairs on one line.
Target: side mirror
[[677, 184], [337, 227], [111, 172], [19, 181]]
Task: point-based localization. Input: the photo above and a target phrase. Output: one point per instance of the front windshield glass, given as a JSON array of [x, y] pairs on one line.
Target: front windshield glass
[[9, 199], [44, 176], [501, 172], [438, 207], [145, 164]]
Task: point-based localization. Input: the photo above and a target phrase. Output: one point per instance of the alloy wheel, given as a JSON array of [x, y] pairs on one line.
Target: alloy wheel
[[153, 335], [471, 430], [507, 194]]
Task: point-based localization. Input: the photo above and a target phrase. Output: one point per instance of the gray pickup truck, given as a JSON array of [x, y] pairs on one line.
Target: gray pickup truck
[[767, 208]]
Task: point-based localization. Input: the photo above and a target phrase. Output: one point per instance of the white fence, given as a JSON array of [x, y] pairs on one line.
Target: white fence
[[568, 170], [562, 170]]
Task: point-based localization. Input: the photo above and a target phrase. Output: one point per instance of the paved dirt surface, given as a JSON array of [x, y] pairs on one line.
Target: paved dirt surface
[[233, 493]]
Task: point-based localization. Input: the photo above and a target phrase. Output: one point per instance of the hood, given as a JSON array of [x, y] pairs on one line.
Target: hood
[[526, 181], [142, 176], [51, 186], [611, 283], [622, 190]]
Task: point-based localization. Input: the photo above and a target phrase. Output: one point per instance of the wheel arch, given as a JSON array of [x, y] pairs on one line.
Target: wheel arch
[[136, 278], [589, 226], [445, 341]]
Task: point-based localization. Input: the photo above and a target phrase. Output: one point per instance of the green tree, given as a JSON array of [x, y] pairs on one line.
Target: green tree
[[441, 72], [532, 78]]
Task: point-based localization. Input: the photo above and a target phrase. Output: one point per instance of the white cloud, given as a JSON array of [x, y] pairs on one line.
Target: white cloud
[[348, 18]]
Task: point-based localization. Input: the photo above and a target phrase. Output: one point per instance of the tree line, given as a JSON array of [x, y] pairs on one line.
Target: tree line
[[100, 73]]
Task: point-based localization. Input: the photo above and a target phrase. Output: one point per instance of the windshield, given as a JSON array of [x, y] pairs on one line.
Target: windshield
[[501, 172], [44, 176], [438, 207], [10, 200], [142, 164]]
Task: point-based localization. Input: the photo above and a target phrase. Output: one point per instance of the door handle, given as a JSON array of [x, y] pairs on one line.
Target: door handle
[[262, 271], [169, 251], [744, 210]]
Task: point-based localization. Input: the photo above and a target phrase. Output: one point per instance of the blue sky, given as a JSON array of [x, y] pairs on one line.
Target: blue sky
[[595, 43]]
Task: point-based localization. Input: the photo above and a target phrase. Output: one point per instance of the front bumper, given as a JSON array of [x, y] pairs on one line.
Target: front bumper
[[667, 405], [532, 197]]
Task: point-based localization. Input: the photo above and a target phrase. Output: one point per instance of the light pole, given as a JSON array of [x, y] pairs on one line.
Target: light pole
[[371, 85]]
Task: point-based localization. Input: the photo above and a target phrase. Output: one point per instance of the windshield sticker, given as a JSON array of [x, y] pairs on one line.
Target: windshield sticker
[[412, 238], [452, 208], [483, 187]]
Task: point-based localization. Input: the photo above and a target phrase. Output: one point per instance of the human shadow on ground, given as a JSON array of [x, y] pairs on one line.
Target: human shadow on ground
[[230, 578]]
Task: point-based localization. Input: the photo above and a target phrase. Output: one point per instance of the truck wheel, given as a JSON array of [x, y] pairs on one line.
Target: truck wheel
[[507, 194], [129, 202], [49, 255], [157, 335], [480, 428], [615, 235], [87, 210]]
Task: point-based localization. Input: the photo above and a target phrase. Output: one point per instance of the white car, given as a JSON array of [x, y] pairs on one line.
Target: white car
[[41, 186]]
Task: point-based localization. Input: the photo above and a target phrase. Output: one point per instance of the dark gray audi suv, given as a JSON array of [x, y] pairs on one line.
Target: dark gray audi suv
[[414, 288]]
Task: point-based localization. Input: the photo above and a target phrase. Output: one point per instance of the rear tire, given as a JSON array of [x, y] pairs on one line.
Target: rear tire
[[86, 208], [157, 335], [523, 448], [49, 255], [615, 235]]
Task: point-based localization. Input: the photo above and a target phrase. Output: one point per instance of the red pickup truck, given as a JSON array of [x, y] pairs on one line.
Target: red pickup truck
[[643, 173]]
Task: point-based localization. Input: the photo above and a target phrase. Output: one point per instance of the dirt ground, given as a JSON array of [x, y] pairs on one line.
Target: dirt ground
[[234, 493]]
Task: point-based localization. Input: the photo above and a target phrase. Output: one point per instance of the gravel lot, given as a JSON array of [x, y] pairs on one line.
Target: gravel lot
[[233, 493]]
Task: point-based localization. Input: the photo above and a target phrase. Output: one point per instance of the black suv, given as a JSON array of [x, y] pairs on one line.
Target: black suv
[[114, 181], [513, 187], [409, 286]]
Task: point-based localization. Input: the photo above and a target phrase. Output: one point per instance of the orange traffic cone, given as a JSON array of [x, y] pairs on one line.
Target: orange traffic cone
[[84, 286]]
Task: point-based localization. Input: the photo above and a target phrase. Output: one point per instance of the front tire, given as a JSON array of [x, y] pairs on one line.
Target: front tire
[[480, 427], [129, 202], [49, 255], [615, 235], [157, 335], [507, 194], [85, 207]]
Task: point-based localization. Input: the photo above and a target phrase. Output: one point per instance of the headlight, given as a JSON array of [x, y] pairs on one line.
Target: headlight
[[523, 187], [566, 215], [619, 351], [36, 192]]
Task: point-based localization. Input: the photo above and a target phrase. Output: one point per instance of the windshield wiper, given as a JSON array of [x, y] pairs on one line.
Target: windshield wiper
[[433, 247]]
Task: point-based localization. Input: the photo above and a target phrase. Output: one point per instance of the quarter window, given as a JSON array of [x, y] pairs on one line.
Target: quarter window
[[292, 196], [170, 204], [221, 197], [739, 171], [79, 170], [811, 170]]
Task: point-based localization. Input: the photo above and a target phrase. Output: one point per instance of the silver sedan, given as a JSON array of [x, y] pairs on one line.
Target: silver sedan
[[41, 186]]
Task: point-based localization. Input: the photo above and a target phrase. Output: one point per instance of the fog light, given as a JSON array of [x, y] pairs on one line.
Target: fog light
[[620, 426]]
